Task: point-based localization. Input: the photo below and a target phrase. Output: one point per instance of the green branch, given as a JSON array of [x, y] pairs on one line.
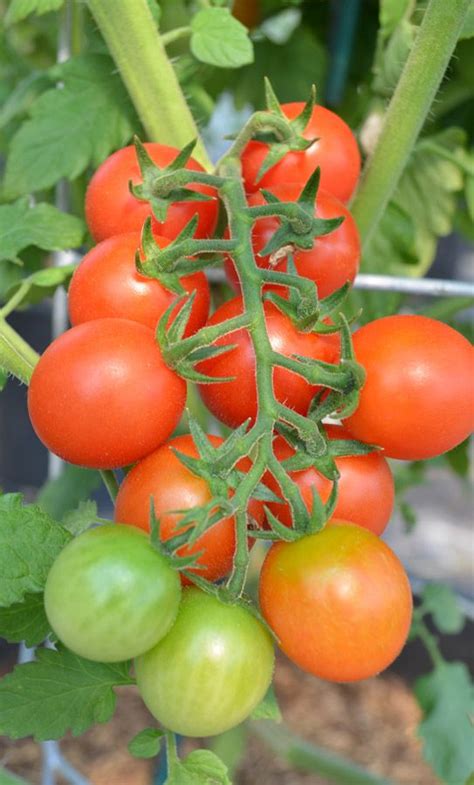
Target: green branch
[[16, 356], [408, 109], [137, 48]]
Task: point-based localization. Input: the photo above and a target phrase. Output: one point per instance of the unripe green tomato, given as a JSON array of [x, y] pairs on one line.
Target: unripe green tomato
[[210, 671], [110, 595]]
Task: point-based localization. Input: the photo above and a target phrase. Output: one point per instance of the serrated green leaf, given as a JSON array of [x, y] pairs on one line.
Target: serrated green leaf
[[219, 39], [43, 225], [22, 96], [42, 151], [440, 601], [268, 708], [146, 744], [29, 542], [391, 59], [201, 767], [78, 520], [64, 493], [59, 692], [25, 621], [446, 697], [20, 9], [7, 778]]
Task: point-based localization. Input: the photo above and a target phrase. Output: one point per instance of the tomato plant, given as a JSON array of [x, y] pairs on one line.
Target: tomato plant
[[235, 401], [107, 284], [334, 149], [112, 209], [110, 595], [339, 602], [210, 671], [334, 258], [366, 487], [164, 478], [416, 402], [84, 401]]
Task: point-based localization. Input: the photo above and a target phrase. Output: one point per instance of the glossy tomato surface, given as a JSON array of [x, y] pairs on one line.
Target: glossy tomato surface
[[335, 151], [110, 595], [107, 284], [172, 486], [101, 395], [339, 601], [235, 401], [210, 671], [366, 490], [112, 209], [418, 398], [334, 258]]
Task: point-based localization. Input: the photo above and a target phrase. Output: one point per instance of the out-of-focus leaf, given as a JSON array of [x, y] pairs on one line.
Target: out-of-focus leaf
[[280, 27], [389, 64], [230, 746], [468, 26], [458, 459], [64, 493], [440, 601], [391, 12], [219, 39], [22, 96], [7, 778], [19, 9]]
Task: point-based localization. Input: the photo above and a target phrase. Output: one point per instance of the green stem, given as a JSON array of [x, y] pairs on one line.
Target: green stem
[[408, 109], [135, 44], [260, 121], [110, 482], [16, 356], [429, 641], [175, 35], [16, 299], [204, 337], [308, 757]]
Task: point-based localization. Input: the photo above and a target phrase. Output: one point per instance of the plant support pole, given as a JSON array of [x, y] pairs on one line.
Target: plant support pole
[[408, 109]]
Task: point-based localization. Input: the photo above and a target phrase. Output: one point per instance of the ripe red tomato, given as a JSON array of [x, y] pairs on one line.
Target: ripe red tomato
[[334, 258], [210, 671], [418, 398], [335, 151], [107, 283], [366, 487], [101, 395], [112, 209], [339, 601], [172, 486], [233, 402]]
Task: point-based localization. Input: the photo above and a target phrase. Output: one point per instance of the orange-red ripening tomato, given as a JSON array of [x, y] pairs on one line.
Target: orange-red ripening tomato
[[335, 151], [366, 488], [334, 258], [101, 395], [107, 284], [418, 398], [235, 401], [112, 209], [339, 601], [172, 486]]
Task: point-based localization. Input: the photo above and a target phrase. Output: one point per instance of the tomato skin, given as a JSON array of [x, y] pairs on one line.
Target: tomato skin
[[366, 487], [210, 671], [233, 402], [335, 151], [110, 595], [339, 602], [334, 258], [107, 284], [162, 476], [101, 395], [112, 209], [418, 398]]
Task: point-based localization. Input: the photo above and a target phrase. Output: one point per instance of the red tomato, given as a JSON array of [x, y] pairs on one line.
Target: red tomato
[[107, 283], [233, 402], [101, 395], [172, 486], [334, 258], [339, 601], [112, 209], [418, 398], [335, 151], [366, 487]]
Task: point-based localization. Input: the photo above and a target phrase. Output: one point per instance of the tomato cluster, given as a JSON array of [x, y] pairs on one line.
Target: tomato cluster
[[102, 396]]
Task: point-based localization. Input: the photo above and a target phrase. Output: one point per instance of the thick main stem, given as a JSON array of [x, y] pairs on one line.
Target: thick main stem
[[136, 46], [408, 109]]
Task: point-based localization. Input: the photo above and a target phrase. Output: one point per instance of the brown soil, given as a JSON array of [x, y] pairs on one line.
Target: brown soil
[[372, 723]]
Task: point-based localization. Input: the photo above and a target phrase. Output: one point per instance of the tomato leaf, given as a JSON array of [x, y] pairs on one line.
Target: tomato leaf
[[43, 225], [219, 39], [41, 152], [25, 621], [200, 767], [7, 778], [29, 542], [78, 520], [64, 493], [146, 744], [446, 696], [57, 693], [19, 9], [440, 601], [268, 708]]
